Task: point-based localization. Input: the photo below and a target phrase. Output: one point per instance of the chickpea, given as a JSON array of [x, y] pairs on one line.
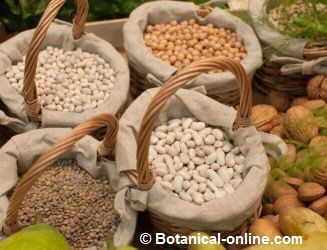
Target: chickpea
[[181, 43]]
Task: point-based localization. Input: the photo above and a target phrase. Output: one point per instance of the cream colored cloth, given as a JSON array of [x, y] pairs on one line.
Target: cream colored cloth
[[221, 214], [59, 35], [157, 71]]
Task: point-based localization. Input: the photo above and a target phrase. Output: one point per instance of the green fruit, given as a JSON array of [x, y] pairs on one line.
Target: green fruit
[[301, 221], [36, 237], [206, 246]]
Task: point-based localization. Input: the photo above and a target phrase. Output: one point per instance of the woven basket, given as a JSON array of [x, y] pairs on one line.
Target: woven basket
[[271, 75], [146, 176], [32, 106], [49, 33], [47, 159], [142, 80]]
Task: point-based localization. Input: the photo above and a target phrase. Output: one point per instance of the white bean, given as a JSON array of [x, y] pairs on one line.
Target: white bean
[[230, 162], [219, 135], [185, 196], [224, 174], [211, 158], [178, 184], [216, 179], [220, 157], [208, 195], [198, 178], [197, 198]]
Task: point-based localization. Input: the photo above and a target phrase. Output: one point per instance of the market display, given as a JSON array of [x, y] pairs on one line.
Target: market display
[[294, 38], [161, 37], [193, 114], [69, 81], [181, 43], [196, 162], [69, 199], [189, 148], [58, 75]]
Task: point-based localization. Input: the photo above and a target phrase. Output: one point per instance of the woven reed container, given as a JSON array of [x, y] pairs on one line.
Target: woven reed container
[[148, 71], [289, 63], [24, 110], [169, 213]]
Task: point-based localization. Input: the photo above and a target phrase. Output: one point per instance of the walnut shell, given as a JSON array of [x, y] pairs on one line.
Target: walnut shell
[[280, 100], [299, 124], [262, 115], [317, 87]]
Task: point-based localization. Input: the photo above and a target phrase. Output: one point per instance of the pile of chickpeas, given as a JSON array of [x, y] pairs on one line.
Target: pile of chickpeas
[[181, 43]]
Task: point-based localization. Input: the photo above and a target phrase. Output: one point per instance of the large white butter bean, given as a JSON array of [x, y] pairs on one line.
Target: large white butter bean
[[224, 174], [216, 179], [208, 195], [197, 198], [198, 126], [195, 162], [230, 162], [218, 134], [211, 158], [220, 157], [187, 123], [178, 184]]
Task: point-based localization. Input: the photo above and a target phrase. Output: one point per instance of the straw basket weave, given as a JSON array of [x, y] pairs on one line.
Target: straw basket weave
[[146, 176], [47, 159], [25, 107], [147, 71]]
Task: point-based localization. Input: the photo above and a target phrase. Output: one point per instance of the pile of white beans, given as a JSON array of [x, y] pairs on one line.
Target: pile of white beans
[[71, 81], [194, 161]]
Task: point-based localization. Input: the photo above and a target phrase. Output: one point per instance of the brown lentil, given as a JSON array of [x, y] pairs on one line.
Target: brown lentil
[[68, 198], [180, 44]]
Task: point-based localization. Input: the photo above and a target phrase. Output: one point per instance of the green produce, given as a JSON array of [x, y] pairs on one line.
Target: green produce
[[36, 237], [301, 221], [204, 247], [25, 14], [316, 241]]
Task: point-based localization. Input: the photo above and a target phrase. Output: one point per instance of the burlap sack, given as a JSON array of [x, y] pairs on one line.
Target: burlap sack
[[223, 214], [19, 154], [59, 35], [290, 51], [157, 72]]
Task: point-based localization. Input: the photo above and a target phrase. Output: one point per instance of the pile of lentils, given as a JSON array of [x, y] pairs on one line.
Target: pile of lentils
[[194, 161], [68, 198], [70, 81], [282, 16], [180, 44]]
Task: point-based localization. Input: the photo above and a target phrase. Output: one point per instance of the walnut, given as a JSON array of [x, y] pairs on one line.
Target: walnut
[[317, 87]]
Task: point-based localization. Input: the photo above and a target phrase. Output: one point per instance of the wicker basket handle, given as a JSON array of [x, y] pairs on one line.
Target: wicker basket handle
[[179, 80], [48, 158], [32, 107]]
